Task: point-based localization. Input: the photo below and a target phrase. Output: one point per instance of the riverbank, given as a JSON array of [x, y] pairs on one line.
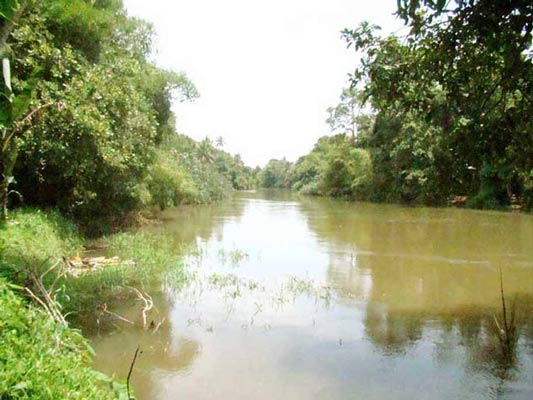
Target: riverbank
[[342, 167], [45, 293]]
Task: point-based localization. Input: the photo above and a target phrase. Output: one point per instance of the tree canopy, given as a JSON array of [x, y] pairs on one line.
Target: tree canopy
[[86, 119], [453, 100], [439, 113]]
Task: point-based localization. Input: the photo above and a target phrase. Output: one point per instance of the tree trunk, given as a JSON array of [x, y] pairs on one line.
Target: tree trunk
[[3, 200], [7, 165], [9, 143], [7, 25]]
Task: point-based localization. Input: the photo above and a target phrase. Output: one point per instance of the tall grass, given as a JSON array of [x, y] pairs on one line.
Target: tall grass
[[152, 256], [39, 357], [34, 240]]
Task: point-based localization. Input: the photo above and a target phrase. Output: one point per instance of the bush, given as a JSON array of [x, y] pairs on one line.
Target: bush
[[91, 157], [168, 184]]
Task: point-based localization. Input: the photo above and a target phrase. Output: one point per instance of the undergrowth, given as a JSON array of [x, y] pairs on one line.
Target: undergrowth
[[39, 358]]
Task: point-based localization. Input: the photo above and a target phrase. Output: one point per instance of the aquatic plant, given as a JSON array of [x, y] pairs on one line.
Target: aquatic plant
[[507, 329]]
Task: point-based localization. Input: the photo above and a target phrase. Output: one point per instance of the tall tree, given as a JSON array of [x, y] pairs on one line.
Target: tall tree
[[453, 97], [10, 129], [343, 117]]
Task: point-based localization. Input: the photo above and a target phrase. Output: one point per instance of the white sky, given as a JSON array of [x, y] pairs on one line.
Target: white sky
[[266, 70]]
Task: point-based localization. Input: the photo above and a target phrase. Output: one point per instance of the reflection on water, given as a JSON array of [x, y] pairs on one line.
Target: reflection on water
[[302, 298]]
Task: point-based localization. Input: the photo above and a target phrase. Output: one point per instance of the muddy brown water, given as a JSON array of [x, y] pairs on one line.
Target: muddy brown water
[[295, 297]]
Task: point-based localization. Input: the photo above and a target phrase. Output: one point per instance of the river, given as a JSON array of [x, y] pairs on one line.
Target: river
[[296, 297]]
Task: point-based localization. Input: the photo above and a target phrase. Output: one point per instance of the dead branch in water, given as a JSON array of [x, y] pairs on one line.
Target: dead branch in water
[[103, 309], [148, 303], [158, 326], [131, 370]]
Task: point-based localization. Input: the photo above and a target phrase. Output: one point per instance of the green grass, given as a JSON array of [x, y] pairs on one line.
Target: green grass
[[153, 256], [32, 239], [40, 359]]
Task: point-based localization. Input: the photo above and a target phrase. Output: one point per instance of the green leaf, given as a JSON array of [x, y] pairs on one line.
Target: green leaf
[[440, 5], [4, 116]]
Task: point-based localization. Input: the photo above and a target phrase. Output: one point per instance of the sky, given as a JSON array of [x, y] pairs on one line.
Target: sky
[[266, 70]]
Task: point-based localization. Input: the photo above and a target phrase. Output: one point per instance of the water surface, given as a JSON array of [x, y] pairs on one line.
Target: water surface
[[306, 298]]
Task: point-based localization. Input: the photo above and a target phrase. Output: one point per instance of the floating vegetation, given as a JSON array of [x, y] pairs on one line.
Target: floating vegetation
[[249, 301]]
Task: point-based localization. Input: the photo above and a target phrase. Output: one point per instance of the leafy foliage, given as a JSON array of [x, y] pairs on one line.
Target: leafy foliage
[[335, 167], [110, 147], [275, 174], [40, 359], [453, 100], [343, 117]]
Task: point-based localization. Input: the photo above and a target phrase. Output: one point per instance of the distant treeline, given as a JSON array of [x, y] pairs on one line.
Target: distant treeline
[[439, 114], [85, 116]]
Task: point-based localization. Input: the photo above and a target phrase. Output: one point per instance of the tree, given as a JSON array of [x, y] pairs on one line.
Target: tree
[[206, 151], [276, 174], [11, 107], [93, 158], [343, 117], [454, 96]]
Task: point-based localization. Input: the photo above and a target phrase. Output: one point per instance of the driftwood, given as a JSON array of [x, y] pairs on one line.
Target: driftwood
[[102, 309], [459, 201], [148, 303], [95, 247], [78, 266], [131, 370]]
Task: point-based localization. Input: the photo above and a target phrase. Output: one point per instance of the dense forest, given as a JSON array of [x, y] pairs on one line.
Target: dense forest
[[86, 118], [441, 114]]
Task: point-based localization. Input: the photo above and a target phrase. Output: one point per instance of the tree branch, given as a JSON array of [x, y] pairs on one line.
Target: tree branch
[[20, 124], [9, 24]]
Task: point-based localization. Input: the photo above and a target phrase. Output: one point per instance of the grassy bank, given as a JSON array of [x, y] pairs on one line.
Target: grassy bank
[[41, 357]]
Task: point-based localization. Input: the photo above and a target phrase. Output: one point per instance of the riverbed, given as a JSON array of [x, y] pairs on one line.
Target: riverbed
[[298, 297]]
